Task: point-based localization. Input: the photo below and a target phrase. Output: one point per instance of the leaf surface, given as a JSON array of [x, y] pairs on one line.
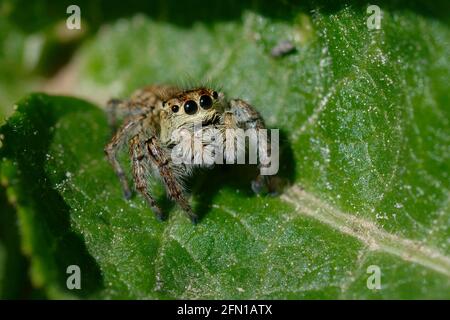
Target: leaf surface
[[364, 120]]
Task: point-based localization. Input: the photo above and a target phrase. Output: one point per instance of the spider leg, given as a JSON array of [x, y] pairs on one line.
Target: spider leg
[[173, 186], [140, 174], [247, 117], [113, 147], [112, 107]]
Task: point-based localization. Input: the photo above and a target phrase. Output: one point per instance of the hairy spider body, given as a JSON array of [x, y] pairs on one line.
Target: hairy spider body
[[152, 115]]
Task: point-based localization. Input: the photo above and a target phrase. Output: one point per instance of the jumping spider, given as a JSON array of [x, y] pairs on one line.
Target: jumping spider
[[151, 115]]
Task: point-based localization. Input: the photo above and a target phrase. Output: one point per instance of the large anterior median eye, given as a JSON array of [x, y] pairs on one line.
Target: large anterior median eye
[[206, 102], [190, 107]]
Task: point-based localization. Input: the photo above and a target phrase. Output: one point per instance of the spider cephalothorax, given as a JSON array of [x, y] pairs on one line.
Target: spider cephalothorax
[[188, 108], [152, 117]]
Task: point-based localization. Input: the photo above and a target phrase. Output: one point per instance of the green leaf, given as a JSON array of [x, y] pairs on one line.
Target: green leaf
[[364, 115], [13, 267]]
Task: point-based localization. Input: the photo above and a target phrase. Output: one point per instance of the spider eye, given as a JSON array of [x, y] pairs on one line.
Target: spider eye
[[175, 108], [190, 107], [206, 102], [215, 95]]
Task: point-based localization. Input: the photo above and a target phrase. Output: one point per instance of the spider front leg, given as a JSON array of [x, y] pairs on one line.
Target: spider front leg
[[114, 146], [243, 115], [161, 159], [140, 174]]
